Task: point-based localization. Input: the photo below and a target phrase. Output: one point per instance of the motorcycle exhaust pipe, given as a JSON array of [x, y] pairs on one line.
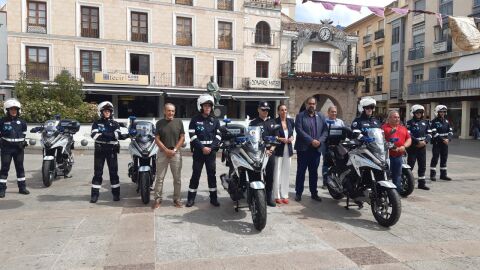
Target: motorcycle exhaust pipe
[[224, 179]]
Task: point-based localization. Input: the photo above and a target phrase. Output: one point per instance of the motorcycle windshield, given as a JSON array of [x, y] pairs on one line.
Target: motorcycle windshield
[[377, 147], [254, 134], [144, 131], [50, 127]]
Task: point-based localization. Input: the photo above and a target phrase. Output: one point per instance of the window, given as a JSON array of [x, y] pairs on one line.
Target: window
[[37, 63], [90, 63], [139, 26], [446, 7], [476, 3], [379, 85], [37, 17], [395, 35], [184, 2], [381, 24], [262, 33], [184, 31], [418, 33], [225, 4], [183, 71], [225, 74], [225, 35], [420, 5], [262, 69], [394, 66], [90, 22], [140, 64], [367, 85], [442, 34], [417, 75]]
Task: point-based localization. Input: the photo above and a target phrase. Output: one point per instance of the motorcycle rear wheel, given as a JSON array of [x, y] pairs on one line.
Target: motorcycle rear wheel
[[334, 193], [408, 182], [144, 186], [258, 207], [48, 174], [387, 207]]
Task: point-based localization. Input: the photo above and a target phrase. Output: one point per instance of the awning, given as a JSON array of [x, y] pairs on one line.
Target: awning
[[259, 97], [191, 94], [143, 92], [466, 63]]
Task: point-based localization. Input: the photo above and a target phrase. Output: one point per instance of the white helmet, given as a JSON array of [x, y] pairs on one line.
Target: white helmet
[[415, 108], [106, 105], [202, 99], [10, 103], [440, 108], [364, 102]]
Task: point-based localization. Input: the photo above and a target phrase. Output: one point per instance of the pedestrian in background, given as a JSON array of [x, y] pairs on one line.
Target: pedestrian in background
[[283, 156], [393, 129], [337, 123], [311, 133], [169, 137]]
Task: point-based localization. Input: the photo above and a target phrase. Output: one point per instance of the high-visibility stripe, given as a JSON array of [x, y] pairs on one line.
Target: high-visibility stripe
[[421, 178], [116, 186], [3, 180], [21, 179], [110, 142], [14, 140], [96, 136], [218, 137], [191, 130], [444, 168], [192, 190], [212, 189], [206, 142], [94, 130], [96, 186], [433, 169]]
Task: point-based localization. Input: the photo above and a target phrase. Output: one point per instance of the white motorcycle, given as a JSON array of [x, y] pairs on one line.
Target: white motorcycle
[[57, 143], [143, 149]]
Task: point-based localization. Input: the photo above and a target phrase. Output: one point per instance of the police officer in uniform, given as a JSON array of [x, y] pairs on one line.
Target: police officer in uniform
[[205, 140], [420, 133], [268, 126], [366, 120], [442, 134], [106, 133], [12, 132]]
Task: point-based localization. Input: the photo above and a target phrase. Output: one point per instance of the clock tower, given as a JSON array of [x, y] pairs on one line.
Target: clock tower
[[288, 8]]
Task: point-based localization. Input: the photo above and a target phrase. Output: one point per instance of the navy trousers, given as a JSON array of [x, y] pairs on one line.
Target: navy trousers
[[307, 159]]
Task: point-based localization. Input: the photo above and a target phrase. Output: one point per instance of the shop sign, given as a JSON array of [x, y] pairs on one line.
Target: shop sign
[[121, 78], [264, 83]]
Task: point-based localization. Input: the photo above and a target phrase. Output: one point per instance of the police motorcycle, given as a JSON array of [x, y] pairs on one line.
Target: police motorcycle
[[359, 170], [244, 153], [143, 150], [57, 143]]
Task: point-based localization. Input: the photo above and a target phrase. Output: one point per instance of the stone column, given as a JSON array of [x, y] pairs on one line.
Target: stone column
[[408, 107], [465, 125], [432, 109], [115, 105], [242, 109], [161, 104]]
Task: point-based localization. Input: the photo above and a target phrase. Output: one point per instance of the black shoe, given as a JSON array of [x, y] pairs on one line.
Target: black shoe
[[298, 197], [190, 203], [433, 178], [433, 175], [445, 178], [359, 204], [116, 198], [213, 202], [94, 198], [324, 186], [2, 193], [317, 198], [23, 191], [424, 187]]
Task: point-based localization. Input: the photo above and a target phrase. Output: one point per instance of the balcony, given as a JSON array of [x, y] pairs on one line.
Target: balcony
[[225, 43], [139, 37], [36, 28], [261, 40], [441, 47], [123, 77], [367, 40], [380, 34], [91, 33], [379, 61], [418, 18], [367, 64], [416, 53], [225, 5], [184, 2], [439, 85], [184, 39], [321, 72], [270, 4]]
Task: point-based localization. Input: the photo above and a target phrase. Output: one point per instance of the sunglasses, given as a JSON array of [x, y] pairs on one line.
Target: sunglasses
[[265, 110], [369, 108], [421, 112]]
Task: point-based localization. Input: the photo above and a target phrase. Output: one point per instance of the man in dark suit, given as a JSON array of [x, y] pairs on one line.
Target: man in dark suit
[[311, 131]]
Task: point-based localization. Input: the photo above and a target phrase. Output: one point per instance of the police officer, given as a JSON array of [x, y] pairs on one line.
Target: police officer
[[268, 126], [366, 120], [442, 134], [205, 141], [105, 133], [12, 132], [420, 133]]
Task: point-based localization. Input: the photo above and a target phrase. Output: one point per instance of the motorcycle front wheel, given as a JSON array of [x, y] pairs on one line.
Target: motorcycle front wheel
[[386, 208], [334, 189], [48, 172], [408, 182], [144, 186], [258, 207]]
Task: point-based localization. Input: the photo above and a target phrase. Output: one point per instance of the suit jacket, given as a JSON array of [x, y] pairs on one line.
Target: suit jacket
[[280, 147], [304, 140]]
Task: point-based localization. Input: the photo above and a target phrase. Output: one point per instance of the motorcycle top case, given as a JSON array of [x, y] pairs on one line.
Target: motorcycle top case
[[235, 130], [336, 135], [69, 125]]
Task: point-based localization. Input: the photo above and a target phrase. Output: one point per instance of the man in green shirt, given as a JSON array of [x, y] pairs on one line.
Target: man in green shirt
[[169, 137]]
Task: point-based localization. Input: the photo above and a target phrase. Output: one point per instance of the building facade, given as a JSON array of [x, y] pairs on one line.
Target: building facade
[[140, 54], [436, 70]]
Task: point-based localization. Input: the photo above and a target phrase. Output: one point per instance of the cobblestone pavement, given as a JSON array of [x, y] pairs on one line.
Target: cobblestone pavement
[[57, 228]]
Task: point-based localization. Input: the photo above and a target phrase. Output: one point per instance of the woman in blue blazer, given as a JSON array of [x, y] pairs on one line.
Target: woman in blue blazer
[[283, 156]]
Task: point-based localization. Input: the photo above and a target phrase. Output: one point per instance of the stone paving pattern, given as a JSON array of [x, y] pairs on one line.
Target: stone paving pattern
[[57, 228]]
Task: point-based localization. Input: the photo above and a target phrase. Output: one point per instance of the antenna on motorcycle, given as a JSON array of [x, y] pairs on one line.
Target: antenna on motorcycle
[[226, 120], [132, 119]]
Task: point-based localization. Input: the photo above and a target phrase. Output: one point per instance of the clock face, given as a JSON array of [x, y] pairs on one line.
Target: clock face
[[325, 34]]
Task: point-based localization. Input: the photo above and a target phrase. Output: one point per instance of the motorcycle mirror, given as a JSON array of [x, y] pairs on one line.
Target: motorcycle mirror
[[122, 125], [32, 142], [84, 142], [277, 127], [227, 120]]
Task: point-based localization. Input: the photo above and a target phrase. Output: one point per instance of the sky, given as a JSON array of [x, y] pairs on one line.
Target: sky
[[314, 12]]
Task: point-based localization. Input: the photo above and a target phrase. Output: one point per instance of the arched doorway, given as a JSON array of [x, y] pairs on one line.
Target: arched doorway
[[323, 103]]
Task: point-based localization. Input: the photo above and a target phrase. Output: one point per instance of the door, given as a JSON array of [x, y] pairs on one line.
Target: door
[[321, 62]]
